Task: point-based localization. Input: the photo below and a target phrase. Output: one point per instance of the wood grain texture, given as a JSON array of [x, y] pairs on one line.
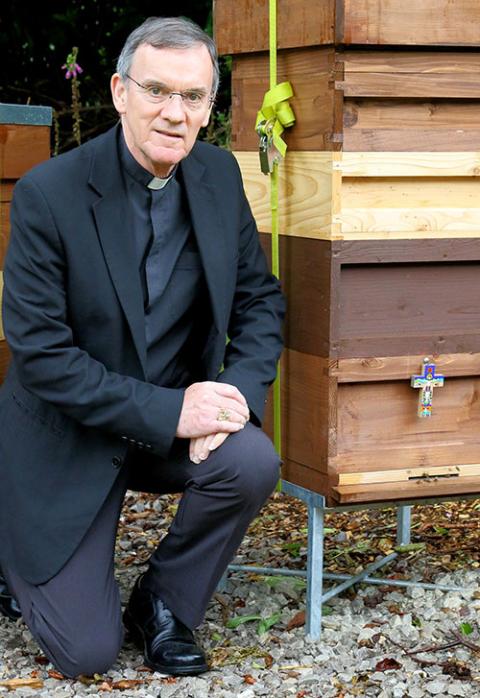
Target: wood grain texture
[[420, 85], [378, 420], [355, 196], [383, 368], [408, 164], [242, 26], [305, 193], [383, 492], [410, 22], [311, 72], [392, 124], [22, 147], [409, 474]]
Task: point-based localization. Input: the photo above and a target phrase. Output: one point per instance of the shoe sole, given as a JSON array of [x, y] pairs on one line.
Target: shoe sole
[[136, 635]]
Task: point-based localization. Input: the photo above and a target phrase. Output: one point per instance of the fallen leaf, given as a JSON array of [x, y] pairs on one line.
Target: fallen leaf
[[42, 660], [388, 664], [268, 661], [105, 686], [53, 674], [13, 684], [297, 621], [169, 679], [248, 678], [127, 683], [457, 669]]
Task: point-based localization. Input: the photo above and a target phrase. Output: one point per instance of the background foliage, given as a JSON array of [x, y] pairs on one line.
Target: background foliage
[[35, 39]]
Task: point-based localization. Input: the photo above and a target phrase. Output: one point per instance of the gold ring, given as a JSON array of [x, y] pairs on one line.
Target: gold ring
[[223, 415]]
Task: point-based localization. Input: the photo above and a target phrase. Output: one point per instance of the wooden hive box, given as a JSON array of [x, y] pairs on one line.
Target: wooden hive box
[[24, 142], [380, 227]]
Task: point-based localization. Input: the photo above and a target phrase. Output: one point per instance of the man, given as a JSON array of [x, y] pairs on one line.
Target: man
[[130, 261]]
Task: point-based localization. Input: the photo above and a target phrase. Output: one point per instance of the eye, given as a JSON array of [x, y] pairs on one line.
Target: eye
[[155, 91], [194, 97]]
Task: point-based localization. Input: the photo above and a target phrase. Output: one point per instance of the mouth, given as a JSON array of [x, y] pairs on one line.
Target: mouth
[[169, 134]]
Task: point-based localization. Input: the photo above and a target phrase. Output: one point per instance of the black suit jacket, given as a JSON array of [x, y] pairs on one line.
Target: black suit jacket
[[74, 320]]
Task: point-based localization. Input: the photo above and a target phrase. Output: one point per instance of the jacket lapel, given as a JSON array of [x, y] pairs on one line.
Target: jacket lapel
[[114, 231], [208, 232]]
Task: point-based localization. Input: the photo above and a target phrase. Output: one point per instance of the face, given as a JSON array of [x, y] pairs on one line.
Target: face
[[160, 135]]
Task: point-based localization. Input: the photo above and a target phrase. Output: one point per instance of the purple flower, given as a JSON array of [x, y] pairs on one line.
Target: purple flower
[[72, 68]]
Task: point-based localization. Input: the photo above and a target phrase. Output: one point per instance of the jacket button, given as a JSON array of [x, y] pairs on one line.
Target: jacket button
[[140, 444], [124, 438], [117, 462]]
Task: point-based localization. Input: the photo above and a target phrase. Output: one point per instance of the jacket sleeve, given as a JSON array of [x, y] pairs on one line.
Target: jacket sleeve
[[48, 362], [255, 323]]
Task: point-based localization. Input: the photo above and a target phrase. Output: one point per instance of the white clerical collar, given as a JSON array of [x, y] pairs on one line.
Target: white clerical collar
[[160, 182]]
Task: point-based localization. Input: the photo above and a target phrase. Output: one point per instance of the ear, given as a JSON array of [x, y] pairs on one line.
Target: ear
[[207, 116], [119, 93]]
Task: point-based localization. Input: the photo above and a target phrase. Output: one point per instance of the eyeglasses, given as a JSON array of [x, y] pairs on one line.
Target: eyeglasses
[[157, 93]]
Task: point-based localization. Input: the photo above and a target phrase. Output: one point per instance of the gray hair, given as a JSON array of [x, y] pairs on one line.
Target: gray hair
[[167, 32]]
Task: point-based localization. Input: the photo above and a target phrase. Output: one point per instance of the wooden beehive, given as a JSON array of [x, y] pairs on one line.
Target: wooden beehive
[[380, 227], [24, 142]]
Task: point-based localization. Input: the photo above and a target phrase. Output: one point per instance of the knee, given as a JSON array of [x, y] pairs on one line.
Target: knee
[[254, 465], [86, 653]]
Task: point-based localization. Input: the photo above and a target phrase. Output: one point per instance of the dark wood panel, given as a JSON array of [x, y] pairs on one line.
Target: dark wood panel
[[409, 308], [242, 26], [305, 272], [402, 251], [4, 359], [410, 22], [22, 147], [410, 125], [464, 85], [310, 72]]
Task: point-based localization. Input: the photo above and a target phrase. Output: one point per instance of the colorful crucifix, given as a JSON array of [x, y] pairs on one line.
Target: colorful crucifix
[[426, 382]]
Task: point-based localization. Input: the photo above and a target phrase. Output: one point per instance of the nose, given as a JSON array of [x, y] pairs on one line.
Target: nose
[[173, 109]]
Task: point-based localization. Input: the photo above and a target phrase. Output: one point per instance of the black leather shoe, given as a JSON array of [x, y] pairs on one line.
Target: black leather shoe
[[8, 603], [168, 645]]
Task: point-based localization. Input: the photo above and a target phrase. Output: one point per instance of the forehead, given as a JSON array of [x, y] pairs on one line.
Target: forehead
[[174, 66]]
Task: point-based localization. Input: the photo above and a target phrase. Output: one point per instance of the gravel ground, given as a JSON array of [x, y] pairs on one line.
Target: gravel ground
[[361, 652]]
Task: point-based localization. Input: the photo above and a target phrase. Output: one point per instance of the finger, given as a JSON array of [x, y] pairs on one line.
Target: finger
[[232, 408], [217, 440], [230, 391], [200, 449]]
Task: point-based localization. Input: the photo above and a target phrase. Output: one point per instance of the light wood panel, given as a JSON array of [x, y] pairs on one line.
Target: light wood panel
[[410, 22], [407, 475], [407, 195], [306, 183], [418, 489]]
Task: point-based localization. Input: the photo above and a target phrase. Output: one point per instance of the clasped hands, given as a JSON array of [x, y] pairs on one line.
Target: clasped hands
[[210, 412]]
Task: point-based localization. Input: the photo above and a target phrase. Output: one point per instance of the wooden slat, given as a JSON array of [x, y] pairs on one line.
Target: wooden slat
[[242, 26], [421, 140], [22, 147], [417, 489], [407, 86], [410, 22], [410, 62], [399, 125], [402, 367], [409, 164], [412, 222], [407, 475]]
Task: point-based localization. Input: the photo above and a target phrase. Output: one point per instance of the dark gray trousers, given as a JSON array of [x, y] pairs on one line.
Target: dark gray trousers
[[76, 616]]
